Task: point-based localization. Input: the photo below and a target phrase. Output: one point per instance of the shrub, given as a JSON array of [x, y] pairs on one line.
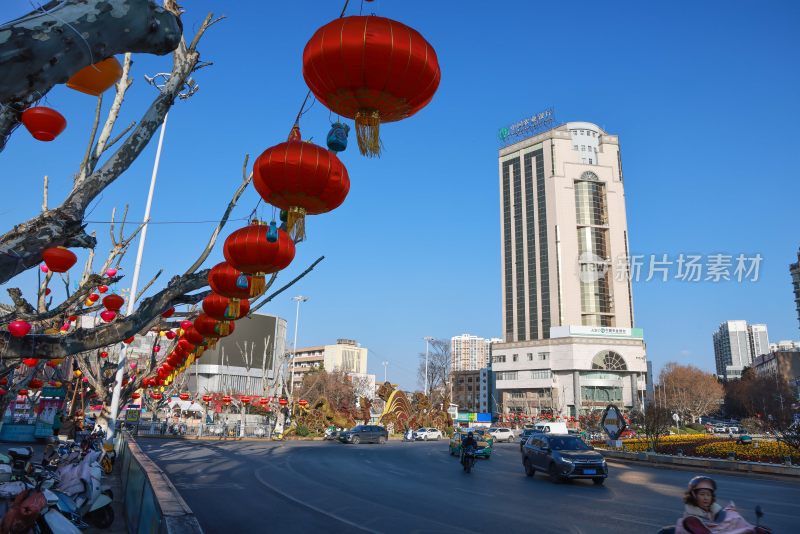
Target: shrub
[[697, 426], [302, 431]]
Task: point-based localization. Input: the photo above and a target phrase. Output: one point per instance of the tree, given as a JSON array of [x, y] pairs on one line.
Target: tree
[[689, 391], [335, 386], [439, 365], [656, 422]]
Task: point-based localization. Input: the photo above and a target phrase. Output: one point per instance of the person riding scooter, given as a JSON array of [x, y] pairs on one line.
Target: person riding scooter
[[468, 443]]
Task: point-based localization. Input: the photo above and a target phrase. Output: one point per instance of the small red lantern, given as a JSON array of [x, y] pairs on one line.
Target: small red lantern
[[301, 178], [263, 401], [96, 79], [104, 354], [170, 334], [184, 396], [102, 289], [135, 395], [23, 393], [249, 251], [19, 328], [226, 399], [113, 302], [129, 340], [72, 318], [207, 398], [111, 272], [3, 381], [302, 402], [167, 314], [59, 259], [2, 392], [35, 383], [221, 308], [93, 297], [228, 281], [155, 396], [283, 402], [108, 315], [43, 123], [245, 399], [186, 324], [31, 362], [370, 69]]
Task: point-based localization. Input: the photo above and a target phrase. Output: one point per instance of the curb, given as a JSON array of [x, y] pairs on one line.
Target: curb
[[666, 461]]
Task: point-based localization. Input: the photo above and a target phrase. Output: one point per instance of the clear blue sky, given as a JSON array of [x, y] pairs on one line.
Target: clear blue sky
[[703, 95]]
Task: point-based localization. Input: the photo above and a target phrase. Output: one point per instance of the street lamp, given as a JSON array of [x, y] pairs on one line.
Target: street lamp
[[298, 299], [385, 364], [428, 339]]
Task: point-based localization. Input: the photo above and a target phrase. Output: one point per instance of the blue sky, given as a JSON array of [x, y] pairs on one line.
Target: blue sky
[[703, 96]]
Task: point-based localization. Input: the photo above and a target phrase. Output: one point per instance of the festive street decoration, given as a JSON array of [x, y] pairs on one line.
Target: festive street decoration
[[19, 328], [102, 289], [301, 178], [228, 281], [184, 396], [249, 251], [373, 70], [113, 302], [43, 123], [337, 137], [59, 259], [219, 307], [167, 314], [96, 79], [104, 354], [108, 315], [209, 327]]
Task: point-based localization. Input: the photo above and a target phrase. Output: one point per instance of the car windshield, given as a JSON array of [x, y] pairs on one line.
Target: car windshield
[[568, 444], [356, 428]]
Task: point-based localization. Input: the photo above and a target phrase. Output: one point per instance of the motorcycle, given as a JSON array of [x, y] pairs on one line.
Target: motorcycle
[[80, 494], [468, 460], [732, 522], [409, 435]]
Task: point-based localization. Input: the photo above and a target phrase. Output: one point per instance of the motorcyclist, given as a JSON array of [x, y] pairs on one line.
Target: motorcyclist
[[467, 443]]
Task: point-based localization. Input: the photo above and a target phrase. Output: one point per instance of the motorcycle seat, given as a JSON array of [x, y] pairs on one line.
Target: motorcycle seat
[[20, 453]]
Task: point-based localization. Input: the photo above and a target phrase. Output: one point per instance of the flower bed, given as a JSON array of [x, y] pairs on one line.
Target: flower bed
[[706, 446]]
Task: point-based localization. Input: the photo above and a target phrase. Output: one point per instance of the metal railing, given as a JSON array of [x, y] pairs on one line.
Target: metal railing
[[229, 430]]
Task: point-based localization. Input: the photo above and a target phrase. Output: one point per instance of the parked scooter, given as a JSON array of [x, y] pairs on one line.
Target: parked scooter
[[81, 493]]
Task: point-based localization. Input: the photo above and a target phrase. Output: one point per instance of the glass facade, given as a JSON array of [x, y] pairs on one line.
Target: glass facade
[[601, 393]]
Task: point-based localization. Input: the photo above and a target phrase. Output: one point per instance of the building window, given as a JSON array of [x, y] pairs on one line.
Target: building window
[[540, 374], [583, 148], [590, 161], [469, 379], [515, 357], [530, 357], [500, 358], [574, 147], [610, 361], [517, 395], [543, 356]]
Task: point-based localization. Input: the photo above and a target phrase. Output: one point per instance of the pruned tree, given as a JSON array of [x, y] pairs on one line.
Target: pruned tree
[[439, 368], [690, 391], [655, 423]]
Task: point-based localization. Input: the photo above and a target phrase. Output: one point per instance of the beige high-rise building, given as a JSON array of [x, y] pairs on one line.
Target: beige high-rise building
[[567, 311], [470, 353]]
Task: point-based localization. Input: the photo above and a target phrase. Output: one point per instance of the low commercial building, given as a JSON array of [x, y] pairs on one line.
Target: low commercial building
[[346, 356], [785, 364]]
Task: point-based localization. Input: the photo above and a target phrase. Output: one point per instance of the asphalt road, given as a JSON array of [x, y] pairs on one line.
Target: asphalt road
[[417, 487]]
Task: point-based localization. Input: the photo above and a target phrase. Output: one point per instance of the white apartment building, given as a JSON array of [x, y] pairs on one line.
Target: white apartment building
[[567, 311], [346, 355], [736, 344], [470, 353]]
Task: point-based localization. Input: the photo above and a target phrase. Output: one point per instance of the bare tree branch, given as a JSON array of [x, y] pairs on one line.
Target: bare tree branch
[[287, 286]]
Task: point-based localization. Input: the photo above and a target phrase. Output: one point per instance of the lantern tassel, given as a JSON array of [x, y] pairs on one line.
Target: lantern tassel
[[224, 328], [199, 352], [296, 223], [258, 284], [368, 129], [232, 311]]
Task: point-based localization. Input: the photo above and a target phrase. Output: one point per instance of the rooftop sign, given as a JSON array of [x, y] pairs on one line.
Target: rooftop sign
[[527, 127]]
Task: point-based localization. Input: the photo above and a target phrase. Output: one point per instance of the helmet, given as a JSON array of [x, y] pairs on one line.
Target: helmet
[[702, 482], [469, 434]]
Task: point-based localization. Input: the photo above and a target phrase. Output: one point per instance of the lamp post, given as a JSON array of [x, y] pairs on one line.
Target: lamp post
[[428, 339], [385, 364], [298, 299]]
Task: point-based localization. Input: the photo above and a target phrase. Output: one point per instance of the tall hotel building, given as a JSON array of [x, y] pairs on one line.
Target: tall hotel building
[[570, 342], [470, 353]]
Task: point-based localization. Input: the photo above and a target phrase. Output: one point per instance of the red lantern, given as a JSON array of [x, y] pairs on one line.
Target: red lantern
[[113, 302], [43, 123], [59, 259], [370, 69], [263, 401], [35, 383], [184, 396], [167, 368], [226, 399], [174, 359], [3, 381], [228, 281], [249, 251], [193, 336], [30, 362], [23, 393], [167, 314], [2, 392], [283, 402], [102, 289], [73, 318], [245, 399], [186, 324], [135, 395], [155, 396], [104, 354], [129, 340], [93, 297], [170, 335], [212, 328], [108, 315], [19, 328], [207, 398], [95, 79], [219, 307], [157, 348], [302, 402], [301, 178]]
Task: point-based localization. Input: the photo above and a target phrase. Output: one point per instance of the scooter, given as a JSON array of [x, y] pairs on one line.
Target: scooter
[[758, 529], [469, 459], [81, 494]]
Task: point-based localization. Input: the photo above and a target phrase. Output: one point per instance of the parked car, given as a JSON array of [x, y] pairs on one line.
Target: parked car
[[364, 434], [720, 429], [425, 434], [562, 457], [502, 434], [484, 439]]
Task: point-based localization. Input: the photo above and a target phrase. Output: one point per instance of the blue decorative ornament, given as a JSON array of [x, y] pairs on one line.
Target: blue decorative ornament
[[272, 232], [241, 281], [337, 137]]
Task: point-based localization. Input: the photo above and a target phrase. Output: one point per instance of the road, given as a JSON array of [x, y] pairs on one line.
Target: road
[[303, 486]]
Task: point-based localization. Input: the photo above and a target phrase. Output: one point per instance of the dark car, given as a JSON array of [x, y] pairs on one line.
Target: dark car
[[525, 434], [562, 457], [364, 434]]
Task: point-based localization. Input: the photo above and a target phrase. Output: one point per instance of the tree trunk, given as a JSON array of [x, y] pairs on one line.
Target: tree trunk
[[50, 44]]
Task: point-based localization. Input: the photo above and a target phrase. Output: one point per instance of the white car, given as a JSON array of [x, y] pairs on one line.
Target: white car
[[502, 434], [426, 434]]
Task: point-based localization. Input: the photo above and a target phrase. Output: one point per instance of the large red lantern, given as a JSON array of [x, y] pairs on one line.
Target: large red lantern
[[219, 307], [373, 70], [113, 302], [301, 178], [43, 123], [193, 336], [249, 251], [212, 328], [228, 281], [59, 259]]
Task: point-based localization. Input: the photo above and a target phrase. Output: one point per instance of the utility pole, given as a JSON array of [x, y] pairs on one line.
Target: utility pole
[[428, 339], [298, 299], [385, 365]]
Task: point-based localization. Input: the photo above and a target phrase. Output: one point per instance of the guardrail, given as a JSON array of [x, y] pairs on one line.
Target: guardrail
[[668, 460], [152, 504], [214, 430]]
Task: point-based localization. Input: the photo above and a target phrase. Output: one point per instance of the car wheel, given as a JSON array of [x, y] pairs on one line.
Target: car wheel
[[598, 481], [529, 470], [381, 440], [555, 476], [356, 440]]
